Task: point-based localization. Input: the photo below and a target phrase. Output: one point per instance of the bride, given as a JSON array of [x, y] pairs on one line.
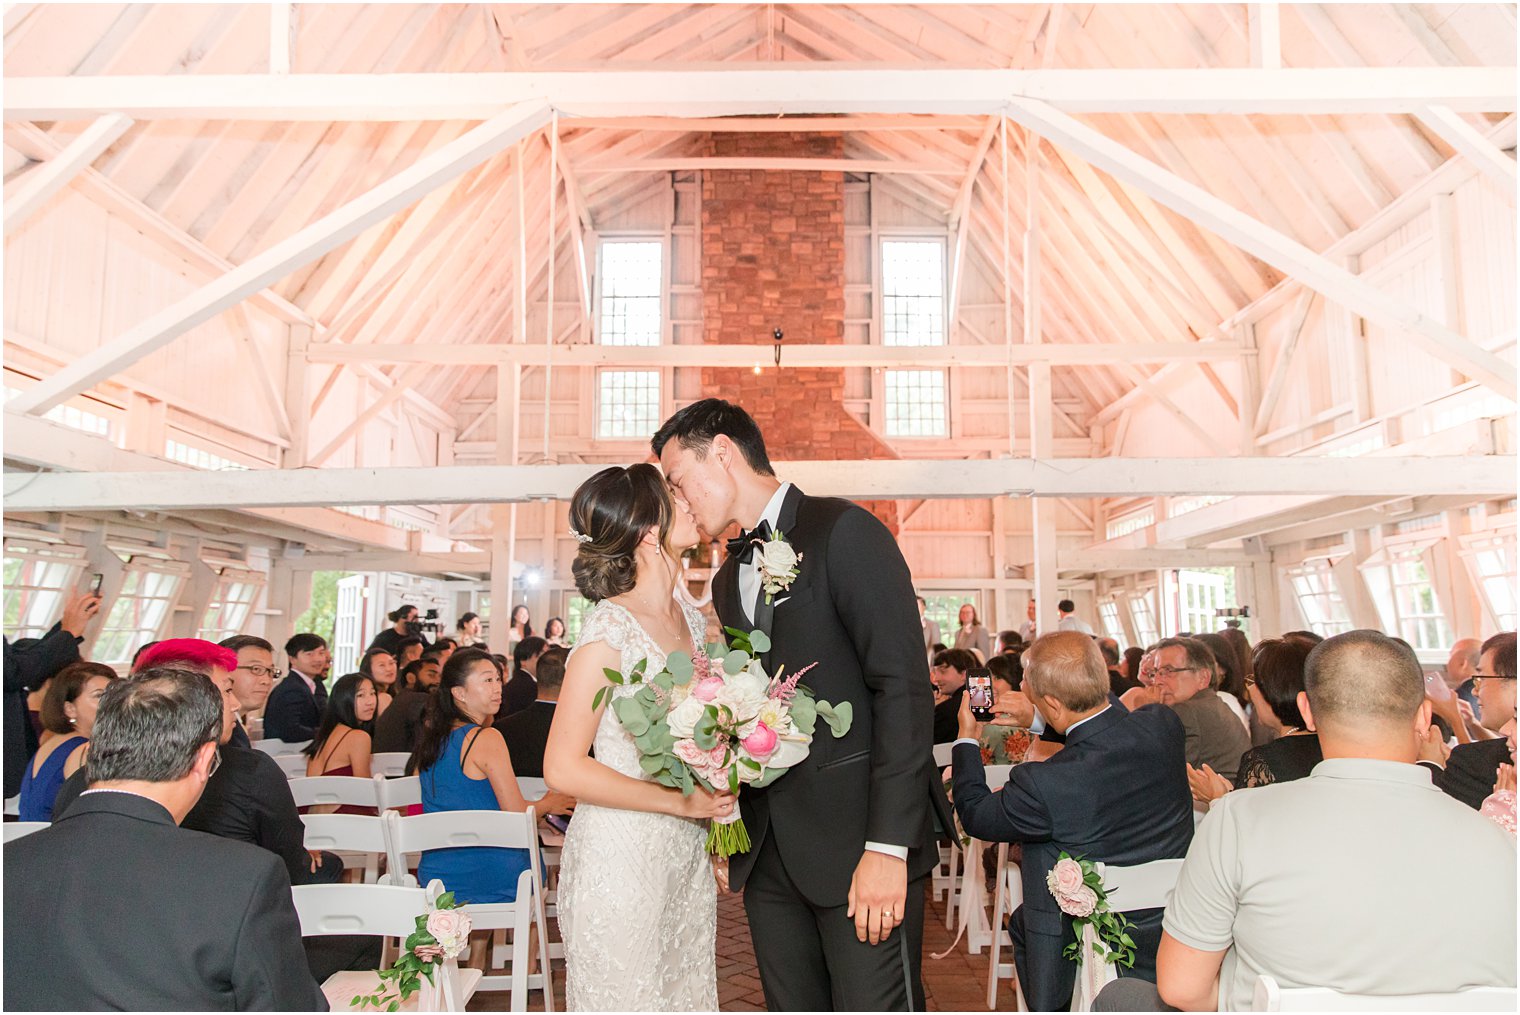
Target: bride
[[637, 901]]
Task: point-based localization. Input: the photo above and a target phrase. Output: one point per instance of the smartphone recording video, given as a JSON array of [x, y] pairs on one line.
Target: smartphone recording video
[[979, 687]]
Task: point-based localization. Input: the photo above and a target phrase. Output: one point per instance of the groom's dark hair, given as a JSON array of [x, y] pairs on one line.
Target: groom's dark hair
[[696, 425]]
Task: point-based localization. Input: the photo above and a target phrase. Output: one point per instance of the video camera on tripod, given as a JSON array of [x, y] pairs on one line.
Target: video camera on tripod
[[429, 624]]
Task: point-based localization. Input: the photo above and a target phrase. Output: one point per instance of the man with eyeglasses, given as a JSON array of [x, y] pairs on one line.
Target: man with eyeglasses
[[1184, 677], [252, 681], [1469, 773]]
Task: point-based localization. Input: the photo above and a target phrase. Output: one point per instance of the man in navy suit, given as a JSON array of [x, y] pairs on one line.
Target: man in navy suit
[[1116, 793], [295, 706]]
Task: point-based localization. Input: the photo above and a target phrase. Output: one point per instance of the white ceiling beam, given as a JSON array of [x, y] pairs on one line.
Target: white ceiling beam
[[1266, 35], [282, 23], [1471, 143], [1280, 251], [330, 231], [40, 183], [1097, 558], [1483, 475], [764, 92], [792, 356], [597, 167], [769, 125]]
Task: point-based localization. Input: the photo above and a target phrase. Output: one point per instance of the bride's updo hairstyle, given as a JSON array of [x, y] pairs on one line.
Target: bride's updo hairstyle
[[612, 510]]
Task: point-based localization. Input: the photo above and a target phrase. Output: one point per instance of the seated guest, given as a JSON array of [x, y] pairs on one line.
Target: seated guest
[[248, 797], [1117, 682], [380, 667], [522, 689], [1006, 739], [443, 648], [1229, 675], [1115, 793], [404, 626], [464, 766], [1129, 664], [1464, 661], [252, 681], [1499, 806], [949, 675], [294, 709], [554, 633], [398, 729], [68, 716], [29, 664], [527, 732], [1184, 676], [470, 631], [341, 745], [409, 650], [1310, 881], [115, 907], [1469, 773], [1009, 643]]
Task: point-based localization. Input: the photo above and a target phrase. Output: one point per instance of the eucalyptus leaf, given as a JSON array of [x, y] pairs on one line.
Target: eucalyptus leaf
[[679, 664], [804, 714], [630, 715], [759, 642], [839, 717], [651, 766], [735, 661]]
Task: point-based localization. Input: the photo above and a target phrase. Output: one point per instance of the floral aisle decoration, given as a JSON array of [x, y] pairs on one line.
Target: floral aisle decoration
[[443, 932], [1078, 889]]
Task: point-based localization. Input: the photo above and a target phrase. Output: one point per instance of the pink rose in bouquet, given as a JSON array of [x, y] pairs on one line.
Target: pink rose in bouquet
[[1064, 878], [708, 689], [689, 752], [761, 744]]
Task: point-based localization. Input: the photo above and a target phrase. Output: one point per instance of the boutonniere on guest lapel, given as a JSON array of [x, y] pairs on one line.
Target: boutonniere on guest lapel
[[778, 565]]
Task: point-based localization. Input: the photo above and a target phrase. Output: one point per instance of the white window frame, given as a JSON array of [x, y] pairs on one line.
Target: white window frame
[[886, 404], [941, 241], [47, 572], [573, 607], [943, 606], [227, 615], [152, 619], [1378, 575], [1199, 594], [659, 377], [1495, 585], [663, 294], [1111, 616], [1317, 592], [1145, 620]]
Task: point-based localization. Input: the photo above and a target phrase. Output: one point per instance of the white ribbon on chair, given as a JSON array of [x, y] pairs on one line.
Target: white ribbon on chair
[[1093, 974]]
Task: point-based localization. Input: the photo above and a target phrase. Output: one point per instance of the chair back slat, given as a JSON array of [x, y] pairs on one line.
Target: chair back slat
[[403, 792], [390, 764], [278, 747], [384, 910], [293, 765], [942, 754], [1143, 886], [334, 789], [354, 833], [997, 776], [531, 788], [17, 829], [451, 829]]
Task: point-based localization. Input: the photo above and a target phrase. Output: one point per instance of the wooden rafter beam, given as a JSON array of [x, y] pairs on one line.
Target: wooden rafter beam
[[1283, 252], [38, 186], [1479, 475], [701, 92], [1472, 144], [305, 246]]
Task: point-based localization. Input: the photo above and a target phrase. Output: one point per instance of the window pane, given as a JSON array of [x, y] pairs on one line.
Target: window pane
[[913, 292], [631, 292], [915, 402], [629, 403]]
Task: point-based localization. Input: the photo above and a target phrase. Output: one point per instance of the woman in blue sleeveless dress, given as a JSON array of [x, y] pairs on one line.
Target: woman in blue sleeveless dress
[[464, 766], [68, 718]]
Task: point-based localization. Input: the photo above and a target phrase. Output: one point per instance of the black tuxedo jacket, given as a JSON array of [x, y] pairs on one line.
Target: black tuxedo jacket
[[1117, 793], [115, 907], [248, 799], [293, 713], [519, 694], [851, 610], [27, 665], [527, 734], [1471, 770]]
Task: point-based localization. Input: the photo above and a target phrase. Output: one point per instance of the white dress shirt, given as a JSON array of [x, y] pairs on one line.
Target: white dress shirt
[[749, 594]]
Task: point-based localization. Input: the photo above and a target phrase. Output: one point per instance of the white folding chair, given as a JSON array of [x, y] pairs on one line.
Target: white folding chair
[[966, 905], [942, 754], [403, 792], [1008, 895], [1268, 996], [349, 835], [533, 790], [13, 806], [278, 747], [502, 829], [943, 878], [293, 765], [390, 764], [1143, 886], [17, 829], [387, 911], [340, 790]]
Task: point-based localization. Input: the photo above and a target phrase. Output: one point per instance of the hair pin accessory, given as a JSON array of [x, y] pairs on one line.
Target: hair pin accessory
[[580, 537]]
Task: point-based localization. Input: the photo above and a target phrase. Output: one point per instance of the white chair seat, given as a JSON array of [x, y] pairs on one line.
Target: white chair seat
[[342, 987]]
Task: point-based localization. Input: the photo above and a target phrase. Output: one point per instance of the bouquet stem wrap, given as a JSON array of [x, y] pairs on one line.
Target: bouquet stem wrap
[[727, 836]]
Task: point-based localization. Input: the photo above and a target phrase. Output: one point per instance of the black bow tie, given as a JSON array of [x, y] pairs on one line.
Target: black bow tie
[[742, 546]]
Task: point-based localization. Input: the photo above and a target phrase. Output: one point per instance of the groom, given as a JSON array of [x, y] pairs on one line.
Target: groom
[[834, 881]]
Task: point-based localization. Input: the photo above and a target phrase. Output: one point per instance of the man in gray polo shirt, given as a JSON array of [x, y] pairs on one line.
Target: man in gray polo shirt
[[1327, 881]]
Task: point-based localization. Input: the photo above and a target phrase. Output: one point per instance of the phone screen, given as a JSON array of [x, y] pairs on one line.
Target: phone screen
[[979, 687], [96, 580]]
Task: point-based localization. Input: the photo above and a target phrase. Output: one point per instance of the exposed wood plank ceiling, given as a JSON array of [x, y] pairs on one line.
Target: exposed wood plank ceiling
[[1117, 267]]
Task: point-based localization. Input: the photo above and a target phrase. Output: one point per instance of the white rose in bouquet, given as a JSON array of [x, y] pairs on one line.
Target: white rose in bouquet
[[682, 719]]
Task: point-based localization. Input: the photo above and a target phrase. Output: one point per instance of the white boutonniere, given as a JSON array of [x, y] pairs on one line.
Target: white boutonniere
[[778, 565]]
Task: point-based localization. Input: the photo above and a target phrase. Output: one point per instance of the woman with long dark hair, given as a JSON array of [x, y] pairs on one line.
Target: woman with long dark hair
[[469, 628], [521, 628], [341, 745], [464, 765], [554, 633], [380, 666]]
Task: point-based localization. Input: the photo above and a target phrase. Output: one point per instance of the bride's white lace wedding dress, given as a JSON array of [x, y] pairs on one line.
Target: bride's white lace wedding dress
[[637, 901]]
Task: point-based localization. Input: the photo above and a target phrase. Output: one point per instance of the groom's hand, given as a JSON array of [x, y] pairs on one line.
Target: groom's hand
[[878, 895]]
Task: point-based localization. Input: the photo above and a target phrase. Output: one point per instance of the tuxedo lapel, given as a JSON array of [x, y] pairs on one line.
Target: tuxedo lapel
[[765, 612]]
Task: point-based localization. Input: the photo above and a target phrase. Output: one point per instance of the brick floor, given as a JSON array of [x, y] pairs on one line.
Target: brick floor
[[957, 982]]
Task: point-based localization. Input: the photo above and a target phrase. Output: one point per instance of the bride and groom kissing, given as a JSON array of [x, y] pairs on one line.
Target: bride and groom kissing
[[834, 880]]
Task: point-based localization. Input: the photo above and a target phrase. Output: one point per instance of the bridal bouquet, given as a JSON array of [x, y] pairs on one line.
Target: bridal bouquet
[[718, 720]]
